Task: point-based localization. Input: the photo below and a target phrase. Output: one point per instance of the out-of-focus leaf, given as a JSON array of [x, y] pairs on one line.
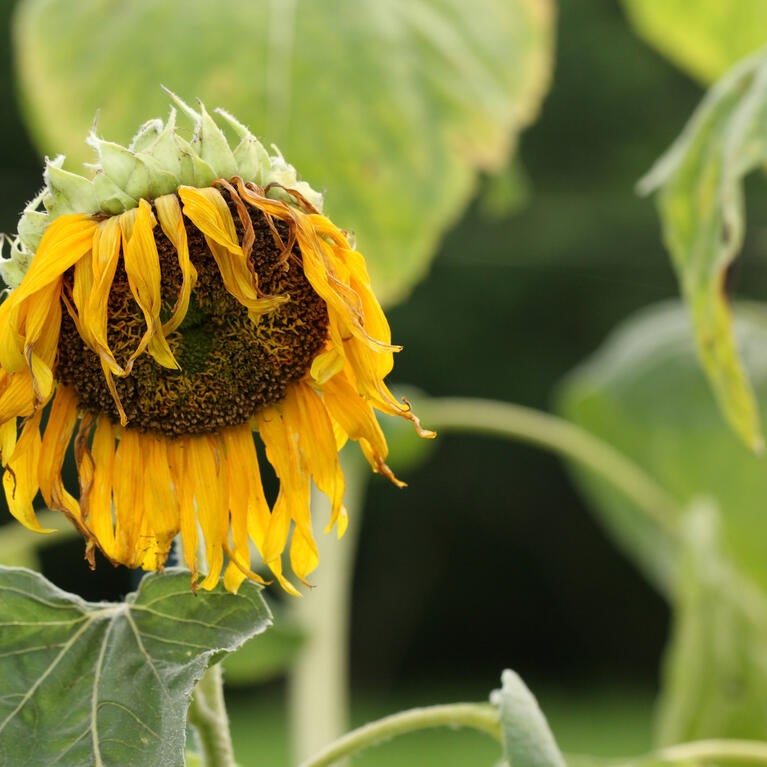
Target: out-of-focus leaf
[[716, 665], [700, 199], [525, 735], [19, 546], [393, 108], [267, 655], [644, 393], [504, 192], [110, 684], [705, 37]]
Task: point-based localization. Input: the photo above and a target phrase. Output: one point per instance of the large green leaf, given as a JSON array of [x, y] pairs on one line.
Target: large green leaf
[[393, 108], [109, 684], [705, 37], [700, 199], [644, 393]]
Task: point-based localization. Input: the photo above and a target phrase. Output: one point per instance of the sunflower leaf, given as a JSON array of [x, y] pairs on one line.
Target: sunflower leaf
[[644, 393], [107, 683], [704, 38], [392, 109], [700, 198]]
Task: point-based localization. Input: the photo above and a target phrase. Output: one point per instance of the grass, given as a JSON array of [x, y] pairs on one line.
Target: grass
[[600, 722]]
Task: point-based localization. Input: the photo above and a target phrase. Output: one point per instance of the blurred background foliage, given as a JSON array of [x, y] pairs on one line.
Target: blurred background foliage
[[704, 40], [492, 557]]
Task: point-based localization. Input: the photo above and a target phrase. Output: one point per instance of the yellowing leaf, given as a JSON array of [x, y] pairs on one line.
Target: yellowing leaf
[[700, 200]]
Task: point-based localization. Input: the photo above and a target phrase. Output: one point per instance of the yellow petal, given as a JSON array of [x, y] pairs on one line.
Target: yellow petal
[[281, 442], [162, 513], [82, 288], [207, 467], [172, 224], [128, 495], [65, 242], [356, 417], [8, 434], [304, 409], [245, 479], [327, 364], [207, 210], [142, 265], [20, 480], [178, 459], [243, 461], [58, 433], [330, 278], [98, 501], [17, 396], [11, 340], [247, 504], [93, 308]]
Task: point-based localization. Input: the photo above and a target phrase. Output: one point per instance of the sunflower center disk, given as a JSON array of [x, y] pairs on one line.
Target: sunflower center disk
[[231, 367]]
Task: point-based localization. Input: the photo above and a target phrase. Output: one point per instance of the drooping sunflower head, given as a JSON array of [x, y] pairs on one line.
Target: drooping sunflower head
[[185, 295]]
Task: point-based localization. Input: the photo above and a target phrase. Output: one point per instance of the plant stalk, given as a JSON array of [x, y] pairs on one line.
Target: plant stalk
[[480, 716], [745, 751], [318, 694], [719, 751], [207, 714]]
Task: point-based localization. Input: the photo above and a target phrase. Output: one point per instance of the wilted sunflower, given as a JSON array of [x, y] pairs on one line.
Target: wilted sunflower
[[184, 296]]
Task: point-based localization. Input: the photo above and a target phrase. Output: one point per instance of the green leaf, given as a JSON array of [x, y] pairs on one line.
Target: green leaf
[[704, 38], [715, 669], [644, 393], [700, 201], [525, 735], [110, 684], [393, 109]]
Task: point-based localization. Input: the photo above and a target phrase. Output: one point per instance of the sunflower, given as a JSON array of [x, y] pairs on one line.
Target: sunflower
[[186, 295]]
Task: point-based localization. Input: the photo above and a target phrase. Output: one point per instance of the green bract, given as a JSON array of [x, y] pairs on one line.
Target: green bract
[[157, 161]]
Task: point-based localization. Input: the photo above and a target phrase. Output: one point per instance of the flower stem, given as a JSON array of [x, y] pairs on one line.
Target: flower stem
[[480, 716], [207, 714], [318, 685], [503, 419], [750, 751]]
